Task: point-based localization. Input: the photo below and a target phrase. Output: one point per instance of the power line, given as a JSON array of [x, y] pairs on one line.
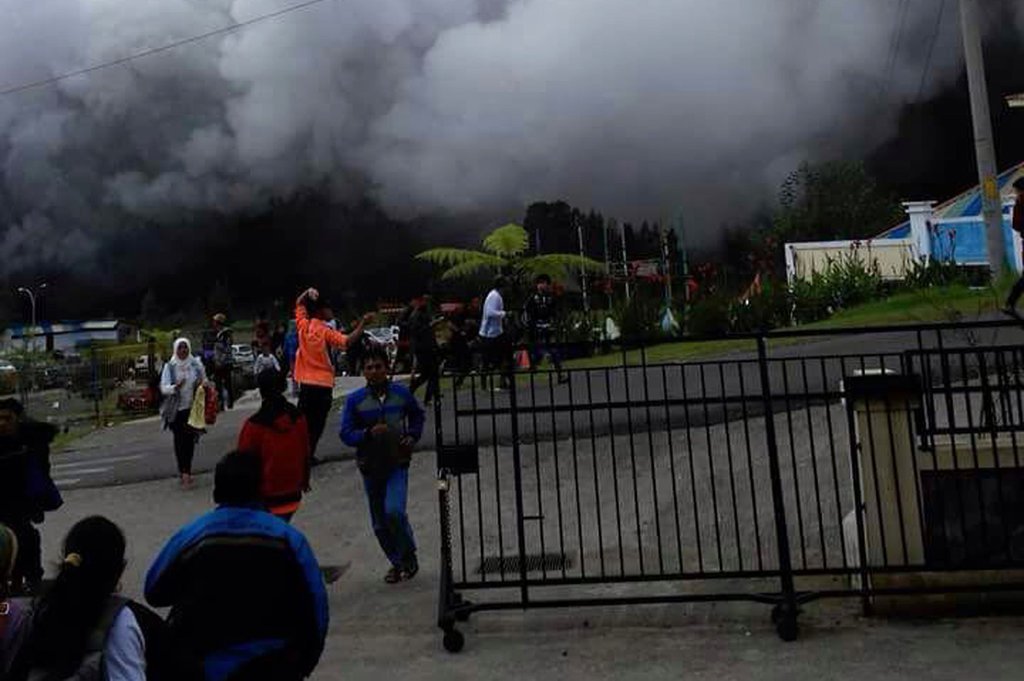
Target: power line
[[894, 50], [163, 48], [931, 50]]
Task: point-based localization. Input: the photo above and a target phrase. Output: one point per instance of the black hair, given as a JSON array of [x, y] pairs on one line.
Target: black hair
[[271, 383], [542, 278], [314, 307], [13, 405], [69, 609], [499, 282], [376, 351], [1019, 184], [237, 480]]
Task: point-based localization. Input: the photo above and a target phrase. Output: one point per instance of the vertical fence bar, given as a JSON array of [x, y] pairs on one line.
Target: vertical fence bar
[[595, 468], [711, 466], [750, 466], [693, 475], [524, 592], [672, 466], [650, 451], [781, 530]]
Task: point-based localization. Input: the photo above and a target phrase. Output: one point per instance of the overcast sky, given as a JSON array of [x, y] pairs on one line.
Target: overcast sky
[[634, 108]]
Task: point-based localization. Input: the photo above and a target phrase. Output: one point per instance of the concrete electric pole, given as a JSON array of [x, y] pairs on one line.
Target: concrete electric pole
[[984, 140]]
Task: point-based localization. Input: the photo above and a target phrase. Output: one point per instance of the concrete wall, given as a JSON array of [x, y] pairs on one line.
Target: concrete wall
[[892, 256]]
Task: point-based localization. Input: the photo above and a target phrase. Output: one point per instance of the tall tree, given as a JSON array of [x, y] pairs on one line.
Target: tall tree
[[506, 251], [833, 200]]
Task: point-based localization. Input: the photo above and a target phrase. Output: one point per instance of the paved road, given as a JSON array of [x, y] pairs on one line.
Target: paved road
[[727, 387], [141, 450]]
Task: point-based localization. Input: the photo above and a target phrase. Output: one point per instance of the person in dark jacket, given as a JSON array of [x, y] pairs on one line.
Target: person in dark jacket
[[1018, 226], [540, 319], [382, 421], [245, 590], [424, 348], [278, 435], [26, 490]]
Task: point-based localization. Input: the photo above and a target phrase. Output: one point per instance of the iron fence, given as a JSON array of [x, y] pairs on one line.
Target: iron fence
[[871, 463]]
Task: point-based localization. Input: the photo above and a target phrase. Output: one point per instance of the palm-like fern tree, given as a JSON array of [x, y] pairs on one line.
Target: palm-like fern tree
[[505, 252]]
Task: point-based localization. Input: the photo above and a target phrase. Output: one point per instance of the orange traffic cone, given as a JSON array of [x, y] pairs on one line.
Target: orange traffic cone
[[523, 359]]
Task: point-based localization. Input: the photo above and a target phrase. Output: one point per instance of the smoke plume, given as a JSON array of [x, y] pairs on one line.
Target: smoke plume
[[447, 106]]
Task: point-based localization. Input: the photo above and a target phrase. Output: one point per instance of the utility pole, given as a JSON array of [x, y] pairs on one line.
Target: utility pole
[[984, 140], [607, 265], [625, 262], [583, 271]]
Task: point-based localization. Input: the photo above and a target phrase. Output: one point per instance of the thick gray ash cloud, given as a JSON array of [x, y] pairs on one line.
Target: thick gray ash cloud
[[634, 108]]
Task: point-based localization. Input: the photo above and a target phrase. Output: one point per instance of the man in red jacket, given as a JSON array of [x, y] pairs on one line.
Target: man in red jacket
[[278, 434], [313, 370]]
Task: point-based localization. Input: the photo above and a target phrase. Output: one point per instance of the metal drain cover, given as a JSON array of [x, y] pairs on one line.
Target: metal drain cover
[[535, 562]]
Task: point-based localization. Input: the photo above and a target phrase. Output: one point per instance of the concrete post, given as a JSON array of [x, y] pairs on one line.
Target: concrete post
[[921, 214]]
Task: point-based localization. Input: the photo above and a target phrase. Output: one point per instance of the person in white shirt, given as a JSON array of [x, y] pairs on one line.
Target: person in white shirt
[[494, 341], [79, 607]]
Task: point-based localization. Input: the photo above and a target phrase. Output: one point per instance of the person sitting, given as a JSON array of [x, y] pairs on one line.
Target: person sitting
[[278, 435], [13, 611], [80, 629], [244, 587]]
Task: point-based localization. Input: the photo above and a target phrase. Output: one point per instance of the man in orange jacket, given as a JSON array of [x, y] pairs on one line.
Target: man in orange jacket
[[313, 370]]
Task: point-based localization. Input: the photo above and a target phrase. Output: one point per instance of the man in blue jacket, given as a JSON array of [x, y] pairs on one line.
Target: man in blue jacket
[[245, 589], [383, 421]]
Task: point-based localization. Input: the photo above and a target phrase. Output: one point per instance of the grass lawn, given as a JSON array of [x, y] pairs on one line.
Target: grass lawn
[[925, 305]]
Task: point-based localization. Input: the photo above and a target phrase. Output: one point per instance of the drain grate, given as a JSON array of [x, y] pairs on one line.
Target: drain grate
[[535, 562]]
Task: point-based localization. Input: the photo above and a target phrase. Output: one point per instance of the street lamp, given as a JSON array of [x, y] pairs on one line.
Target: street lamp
[[32, 300]]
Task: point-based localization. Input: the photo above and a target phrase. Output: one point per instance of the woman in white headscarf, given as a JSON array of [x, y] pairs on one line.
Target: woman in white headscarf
[[178, 382]]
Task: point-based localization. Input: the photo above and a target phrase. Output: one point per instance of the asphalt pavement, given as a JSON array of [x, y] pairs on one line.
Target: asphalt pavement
[[702, 392]]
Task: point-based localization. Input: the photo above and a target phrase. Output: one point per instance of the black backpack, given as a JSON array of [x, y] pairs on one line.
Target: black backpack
[[164, 661]]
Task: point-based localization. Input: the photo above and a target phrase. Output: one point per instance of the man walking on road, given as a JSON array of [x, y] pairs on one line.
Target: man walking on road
[[1018, 226], [314, 371], [223, 361], [383, 421], [496, 349]]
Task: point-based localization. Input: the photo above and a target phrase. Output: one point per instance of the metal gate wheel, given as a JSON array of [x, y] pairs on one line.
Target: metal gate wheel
[[453, 640]]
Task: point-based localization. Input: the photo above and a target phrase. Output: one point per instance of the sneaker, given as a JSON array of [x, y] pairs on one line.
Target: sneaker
[[410, 570], [394, 575]]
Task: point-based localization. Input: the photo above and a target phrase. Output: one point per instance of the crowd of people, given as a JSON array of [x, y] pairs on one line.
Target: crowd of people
[[77, 626]]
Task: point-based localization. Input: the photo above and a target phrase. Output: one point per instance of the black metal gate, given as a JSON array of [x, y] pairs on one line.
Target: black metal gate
[[766, 476]]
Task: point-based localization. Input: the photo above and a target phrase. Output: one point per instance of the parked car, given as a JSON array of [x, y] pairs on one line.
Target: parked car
[[142, 364], [8, 377], [243, 356]]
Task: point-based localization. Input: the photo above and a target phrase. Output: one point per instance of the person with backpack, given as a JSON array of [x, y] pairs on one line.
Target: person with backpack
[[180, 379], [80, 630], [278, 435], [223, 361], [383, 421], [245, 590], [13, 611], [27, 491]]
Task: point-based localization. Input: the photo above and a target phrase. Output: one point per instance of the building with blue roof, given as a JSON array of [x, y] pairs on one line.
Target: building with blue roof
[[950, 231]]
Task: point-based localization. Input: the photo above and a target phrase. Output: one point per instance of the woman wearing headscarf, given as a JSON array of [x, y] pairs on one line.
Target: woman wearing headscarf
[[181, 376]]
